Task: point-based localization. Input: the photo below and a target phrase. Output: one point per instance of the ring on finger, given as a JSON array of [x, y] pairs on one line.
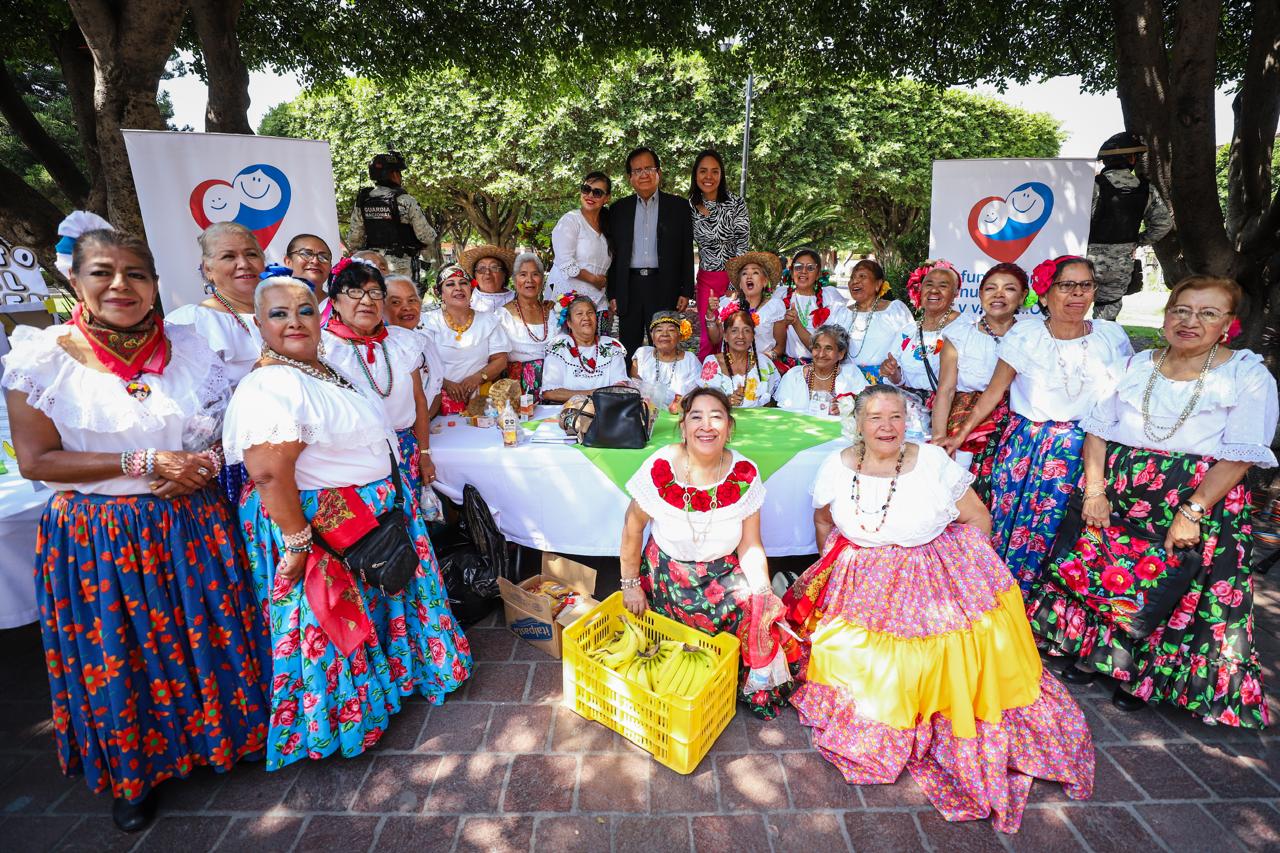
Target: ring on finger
[[203, 472]]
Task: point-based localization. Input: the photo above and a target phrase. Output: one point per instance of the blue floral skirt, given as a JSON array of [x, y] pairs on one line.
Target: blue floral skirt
[[1037, 466], [153, 642], [409, 473], [323, 702]]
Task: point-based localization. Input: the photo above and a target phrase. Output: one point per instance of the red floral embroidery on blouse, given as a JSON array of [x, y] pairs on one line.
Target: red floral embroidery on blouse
[[691, 499]]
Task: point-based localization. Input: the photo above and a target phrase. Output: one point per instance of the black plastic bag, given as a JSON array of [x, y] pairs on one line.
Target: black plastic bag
[[473, 555]]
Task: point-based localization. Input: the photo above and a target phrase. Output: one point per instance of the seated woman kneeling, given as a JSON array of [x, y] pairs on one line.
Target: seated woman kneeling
[[704, 564], [827, 372], [919, 652], [318, 450], [580, 359]]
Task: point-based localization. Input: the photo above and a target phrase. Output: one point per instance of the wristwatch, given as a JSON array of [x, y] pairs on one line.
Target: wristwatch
[[484, 377], [1195, 507]]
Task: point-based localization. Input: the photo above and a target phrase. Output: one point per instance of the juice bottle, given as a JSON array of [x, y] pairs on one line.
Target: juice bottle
[[509, 422]]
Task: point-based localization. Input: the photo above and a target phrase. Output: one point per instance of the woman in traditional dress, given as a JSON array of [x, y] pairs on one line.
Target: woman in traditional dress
[[320, 453], [739, 372], [231, 262], [872, 320], [153, 641], [827, 373], [808, 301], [970, 350], [704, 564], [580, 359], [310, 259], [913, 360], [490, 270], [403, 308], [752, 278], [1053, 370], [665, 366], [385, 360], [1164, 462], [918, 651], [580, 243], [471, 344], [526, 320], [722, 230]]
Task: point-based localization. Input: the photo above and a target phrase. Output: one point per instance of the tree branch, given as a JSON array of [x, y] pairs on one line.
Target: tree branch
[[1257, 109], [43, 147], [77, 73], [28, 218], [228, 78]]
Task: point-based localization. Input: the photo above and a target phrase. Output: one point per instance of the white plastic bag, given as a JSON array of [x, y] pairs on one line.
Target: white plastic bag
[[429, 505], [768, 677]]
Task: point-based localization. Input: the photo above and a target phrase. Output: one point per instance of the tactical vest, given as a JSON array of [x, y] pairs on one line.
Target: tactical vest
[[383, 229], [1117, 218]]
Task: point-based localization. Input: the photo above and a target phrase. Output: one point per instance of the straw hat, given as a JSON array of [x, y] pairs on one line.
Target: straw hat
[[468, 259], [766, 260]]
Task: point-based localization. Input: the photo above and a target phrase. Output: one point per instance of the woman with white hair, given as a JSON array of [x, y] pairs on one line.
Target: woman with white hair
[[403, 308], [526, 320], [826, 373], [320, 452], [919, 651]]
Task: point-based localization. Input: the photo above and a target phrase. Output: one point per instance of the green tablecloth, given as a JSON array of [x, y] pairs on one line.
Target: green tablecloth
[[768, 437]]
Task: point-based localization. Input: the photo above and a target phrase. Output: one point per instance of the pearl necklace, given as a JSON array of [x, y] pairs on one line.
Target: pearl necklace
[[231, 309], [942, 321], [368, 374], [811, 374], [857, 488], [700, 537], [458, 331], [1148, 428], [331, 376], [1062, 362]]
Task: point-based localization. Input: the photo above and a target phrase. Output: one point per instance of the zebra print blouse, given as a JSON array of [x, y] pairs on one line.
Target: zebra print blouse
[[723, 233]]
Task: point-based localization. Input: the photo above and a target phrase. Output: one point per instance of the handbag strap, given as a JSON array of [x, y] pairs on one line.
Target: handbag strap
[[318, 539], [924, 356]]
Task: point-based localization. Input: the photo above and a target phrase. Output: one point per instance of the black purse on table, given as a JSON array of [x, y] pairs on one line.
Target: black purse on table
[[622, 421]]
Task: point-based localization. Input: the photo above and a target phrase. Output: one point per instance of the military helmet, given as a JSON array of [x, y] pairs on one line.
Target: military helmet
[[384, 164], [1121, 145]]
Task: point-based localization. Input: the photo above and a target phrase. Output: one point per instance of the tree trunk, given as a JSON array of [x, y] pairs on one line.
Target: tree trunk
[[493, 219], [77, 72], [228, 77], [64, 171], [130, 41], [29, 219]]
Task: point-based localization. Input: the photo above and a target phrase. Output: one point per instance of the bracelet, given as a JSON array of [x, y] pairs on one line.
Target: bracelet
[[1186, 513], [1095, 491], [133, 463], [630, 583], [1196, 507], [289, 549], [426, 450], [150, 462], [301, 539]]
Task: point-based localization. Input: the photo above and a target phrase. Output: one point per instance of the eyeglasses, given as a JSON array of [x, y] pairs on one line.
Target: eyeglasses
[[804, 267], [482, 269], [355, 294], [594, 192], [644, 172], [1086, 286], [308, 255], [1183, 314]]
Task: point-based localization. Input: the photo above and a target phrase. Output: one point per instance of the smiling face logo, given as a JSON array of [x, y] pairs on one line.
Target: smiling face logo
[[257, 198], [1003, 228]]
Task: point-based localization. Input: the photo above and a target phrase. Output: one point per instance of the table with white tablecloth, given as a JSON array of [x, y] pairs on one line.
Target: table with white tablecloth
[[554, 498]]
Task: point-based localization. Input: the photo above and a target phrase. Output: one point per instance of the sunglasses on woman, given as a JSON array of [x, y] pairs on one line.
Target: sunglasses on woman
[[594, 192]]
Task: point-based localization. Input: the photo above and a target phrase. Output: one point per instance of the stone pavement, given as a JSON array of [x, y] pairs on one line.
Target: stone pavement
[[501, 767]]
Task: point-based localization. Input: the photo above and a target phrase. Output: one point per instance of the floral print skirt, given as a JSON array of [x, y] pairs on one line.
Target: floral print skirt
[[409, 472], [711, 597], [1202, 657], [921, 659], [528, 374], [322, 701], [1037, 466], [154, 645]]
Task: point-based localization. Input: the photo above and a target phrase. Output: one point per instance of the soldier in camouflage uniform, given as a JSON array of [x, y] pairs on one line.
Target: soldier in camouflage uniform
[[386, 218], [1122, 203]]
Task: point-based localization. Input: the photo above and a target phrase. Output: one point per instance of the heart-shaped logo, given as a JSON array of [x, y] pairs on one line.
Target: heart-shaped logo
[[1003, 228], [257, 198]]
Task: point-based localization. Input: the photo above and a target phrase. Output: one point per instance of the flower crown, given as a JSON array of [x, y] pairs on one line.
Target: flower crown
[[917, 276], [562, 306], [1042, 277], [684, 327]]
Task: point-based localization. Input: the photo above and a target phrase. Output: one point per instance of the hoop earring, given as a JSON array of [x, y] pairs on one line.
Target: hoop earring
[[1222, 339], [320, 350]]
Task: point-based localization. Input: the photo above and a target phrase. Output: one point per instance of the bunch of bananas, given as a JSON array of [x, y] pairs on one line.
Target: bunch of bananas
[[667, 667]]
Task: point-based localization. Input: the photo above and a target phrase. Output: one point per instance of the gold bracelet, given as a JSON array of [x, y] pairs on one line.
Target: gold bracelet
[[1095, 491]]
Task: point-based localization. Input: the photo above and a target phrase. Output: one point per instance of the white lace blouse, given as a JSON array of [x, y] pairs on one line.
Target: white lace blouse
[[923, 504], [805, 306], [345, 430], [462, 354], [759, 384], [1061, 380], [593, 367], [696, 536], [793, 391], [976, 354], [1234, 419], [578, 247], [490, 302], [872, 334], [395, 359], [678, 377], [906, 348], [95, 414], [529, 341], [238, 347]]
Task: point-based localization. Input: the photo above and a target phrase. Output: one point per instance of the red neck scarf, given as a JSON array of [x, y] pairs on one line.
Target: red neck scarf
[[342, 330], [128, 353]]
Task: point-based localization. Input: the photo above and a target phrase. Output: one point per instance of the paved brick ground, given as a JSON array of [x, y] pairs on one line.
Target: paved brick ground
[[501, 767]]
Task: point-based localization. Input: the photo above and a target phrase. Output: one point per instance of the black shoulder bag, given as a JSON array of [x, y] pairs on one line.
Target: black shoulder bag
[[621, 420], [924, 356], [385, 557]]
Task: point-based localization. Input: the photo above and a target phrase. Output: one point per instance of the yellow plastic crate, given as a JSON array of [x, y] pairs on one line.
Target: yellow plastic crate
[[675, 730]]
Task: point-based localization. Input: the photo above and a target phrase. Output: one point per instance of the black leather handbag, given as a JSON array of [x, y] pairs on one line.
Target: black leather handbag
[[622, 421], [385, 557]]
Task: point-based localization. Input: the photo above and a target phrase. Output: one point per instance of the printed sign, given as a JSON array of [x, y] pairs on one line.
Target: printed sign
[[277, 188], [986, 212], [22, 287]]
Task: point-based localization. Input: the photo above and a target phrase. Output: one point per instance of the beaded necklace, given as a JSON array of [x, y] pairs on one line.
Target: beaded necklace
[[857, 488], [811, 375], [854, 324], [657, 369], [1147, 427], [331, 376], [368, 374], [546, 327], [986, 327], [458, 331], [226, 303], [575, 351]]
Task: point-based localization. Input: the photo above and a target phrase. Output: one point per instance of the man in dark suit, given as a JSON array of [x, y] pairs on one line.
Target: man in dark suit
[[652, 236]]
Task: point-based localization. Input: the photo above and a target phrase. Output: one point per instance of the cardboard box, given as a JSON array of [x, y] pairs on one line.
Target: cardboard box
[[529, 612]]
